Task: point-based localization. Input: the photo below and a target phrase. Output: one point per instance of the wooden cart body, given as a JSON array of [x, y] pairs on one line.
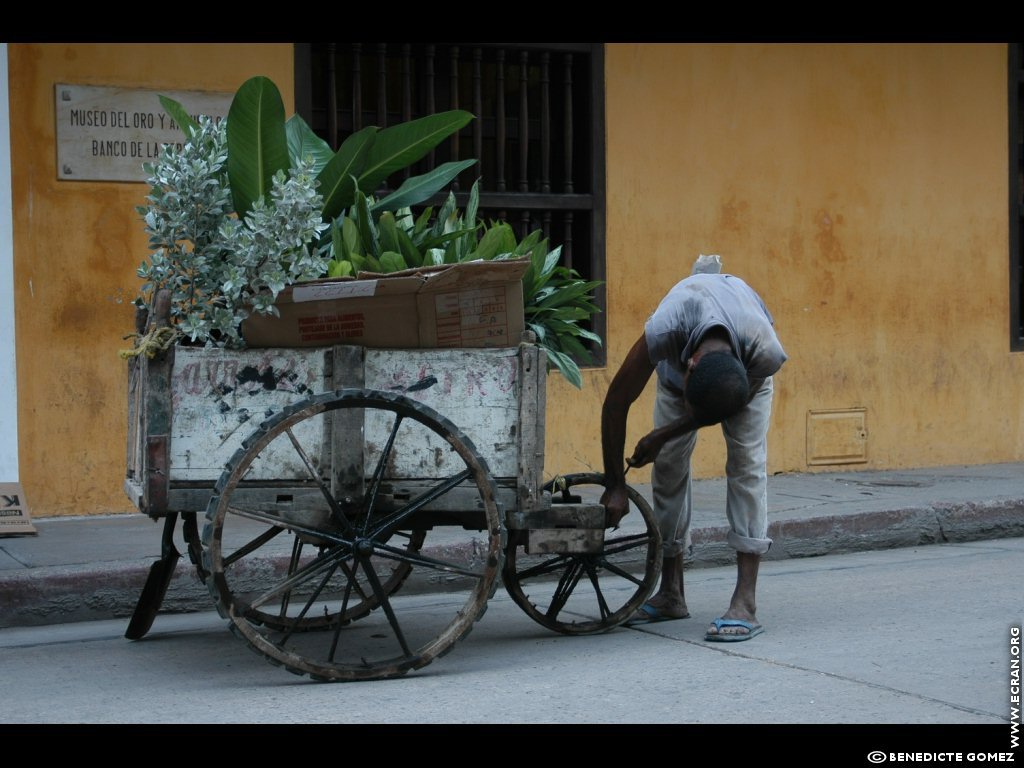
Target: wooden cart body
[[190, 412], [317, 513]]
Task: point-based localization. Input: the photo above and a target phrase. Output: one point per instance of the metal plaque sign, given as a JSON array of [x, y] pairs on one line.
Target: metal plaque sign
[[107, 133]]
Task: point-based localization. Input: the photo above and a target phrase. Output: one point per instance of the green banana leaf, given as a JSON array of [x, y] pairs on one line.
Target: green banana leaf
[[303, 142], [399, 146], [257, 145], [337, 180], [416, 189], [180, 115]]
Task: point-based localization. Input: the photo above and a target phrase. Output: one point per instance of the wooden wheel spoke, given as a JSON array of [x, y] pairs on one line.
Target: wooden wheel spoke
[[306, 573], [332, 502], [602, 604], [566, 586], [394, 553], [384, 528], [378, 471], [542, 569]]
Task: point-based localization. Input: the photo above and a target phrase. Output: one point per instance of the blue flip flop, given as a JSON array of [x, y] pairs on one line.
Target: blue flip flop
[[718, 637], [648, 614]]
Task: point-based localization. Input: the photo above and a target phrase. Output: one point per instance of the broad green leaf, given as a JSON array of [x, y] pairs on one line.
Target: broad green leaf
[[528, 243], [337, 242], [302, 142], [566, 366], [410, 252], [566, 294], [572, 346], [367, 231], [550, 262], [257, 145], [339, 269], [338, 182], [392, 262], [451, 252], [399, 146], [423, 221], [583, 333], [544, 266], [498, 239], [473, 206], [448, 209], [372, 264], [350, 235], [179, 115], [404, 219], [416, 189], [442, 239], [388, 232], [358, 262]]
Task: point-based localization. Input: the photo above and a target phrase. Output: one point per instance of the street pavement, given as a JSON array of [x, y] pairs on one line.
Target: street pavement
[[916, 637], [891, 603], [93, 567]]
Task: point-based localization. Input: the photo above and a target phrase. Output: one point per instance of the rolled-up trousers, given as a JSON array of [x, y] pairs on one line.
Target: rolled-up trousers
[[746, 501]]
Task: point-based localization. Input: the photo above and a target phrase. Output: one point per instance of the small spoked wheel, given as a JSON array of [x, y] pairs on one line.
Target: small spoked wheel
[[592, 591], [354, 536]]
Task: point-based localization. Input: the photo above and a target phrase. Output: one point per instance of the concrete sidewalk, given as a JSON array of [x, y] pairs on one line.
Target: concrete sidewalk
[[94, 567]]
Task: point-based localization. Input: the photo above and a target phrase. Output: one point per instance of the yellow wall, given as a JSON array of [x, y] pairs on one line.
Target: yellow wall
[[76, 246], [862, 189]]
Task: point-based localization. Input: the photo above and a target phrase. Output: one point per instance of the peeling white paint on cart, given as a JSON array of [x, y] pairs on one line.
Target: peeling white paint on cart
[[476, 389], [219, 397]]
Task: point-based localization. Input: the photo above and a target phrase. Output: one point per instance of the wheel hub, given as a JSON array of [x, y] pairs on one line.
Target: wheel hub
[[364, 547]]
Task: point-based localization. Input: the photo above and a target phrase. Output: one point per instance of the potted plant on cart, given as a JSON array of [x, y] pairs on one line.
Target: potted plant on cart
[[255, 203]]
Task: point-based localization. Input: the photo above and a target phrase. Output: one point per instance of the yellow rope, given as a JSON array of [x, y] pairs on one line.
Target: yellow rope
[[148, 344]]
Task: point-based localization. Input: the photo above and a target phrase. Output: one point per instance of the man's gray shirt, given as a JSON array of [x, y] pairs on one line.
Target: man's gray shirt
[[700, 302]]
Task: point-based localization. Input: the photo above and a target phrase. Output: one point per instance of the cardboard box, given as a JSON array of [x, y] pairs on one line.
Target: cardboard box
[[14, 515], [472, 304]]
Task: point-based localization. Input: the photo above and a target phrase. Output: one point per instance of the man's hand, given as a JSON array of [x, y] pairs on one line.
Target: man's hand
[[648, 448], [616, 504]]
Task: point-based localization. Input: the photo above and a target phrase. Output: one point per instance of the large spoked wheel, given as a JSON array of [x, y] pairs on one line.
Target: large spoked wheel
[[308, 571], [580, 593]]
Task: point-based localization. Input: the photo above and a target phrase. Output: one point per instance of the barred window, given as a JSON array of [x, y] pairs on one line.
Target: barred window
[[538, 132]]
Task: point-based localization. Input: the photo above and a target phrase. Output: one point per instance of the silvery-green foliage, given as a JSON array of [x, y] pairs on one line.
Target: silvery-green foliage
[[216, 266]]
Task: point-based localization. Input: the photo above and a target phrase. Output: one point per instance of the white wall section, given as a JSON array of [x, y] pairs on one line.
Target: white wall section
[[8, 371]]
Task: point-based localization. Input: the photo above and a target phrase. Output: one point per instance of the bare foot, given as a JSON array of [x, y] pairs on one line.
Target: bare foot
[[671, 606]]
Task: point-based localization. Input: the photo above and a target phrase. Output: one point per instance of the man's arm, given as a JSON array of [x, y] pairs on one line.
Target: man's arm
[[626, 386]]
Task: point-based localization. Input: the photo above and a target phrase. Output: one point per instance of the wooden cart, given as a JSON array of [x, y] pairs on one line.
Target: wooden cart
[[344, 485]]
